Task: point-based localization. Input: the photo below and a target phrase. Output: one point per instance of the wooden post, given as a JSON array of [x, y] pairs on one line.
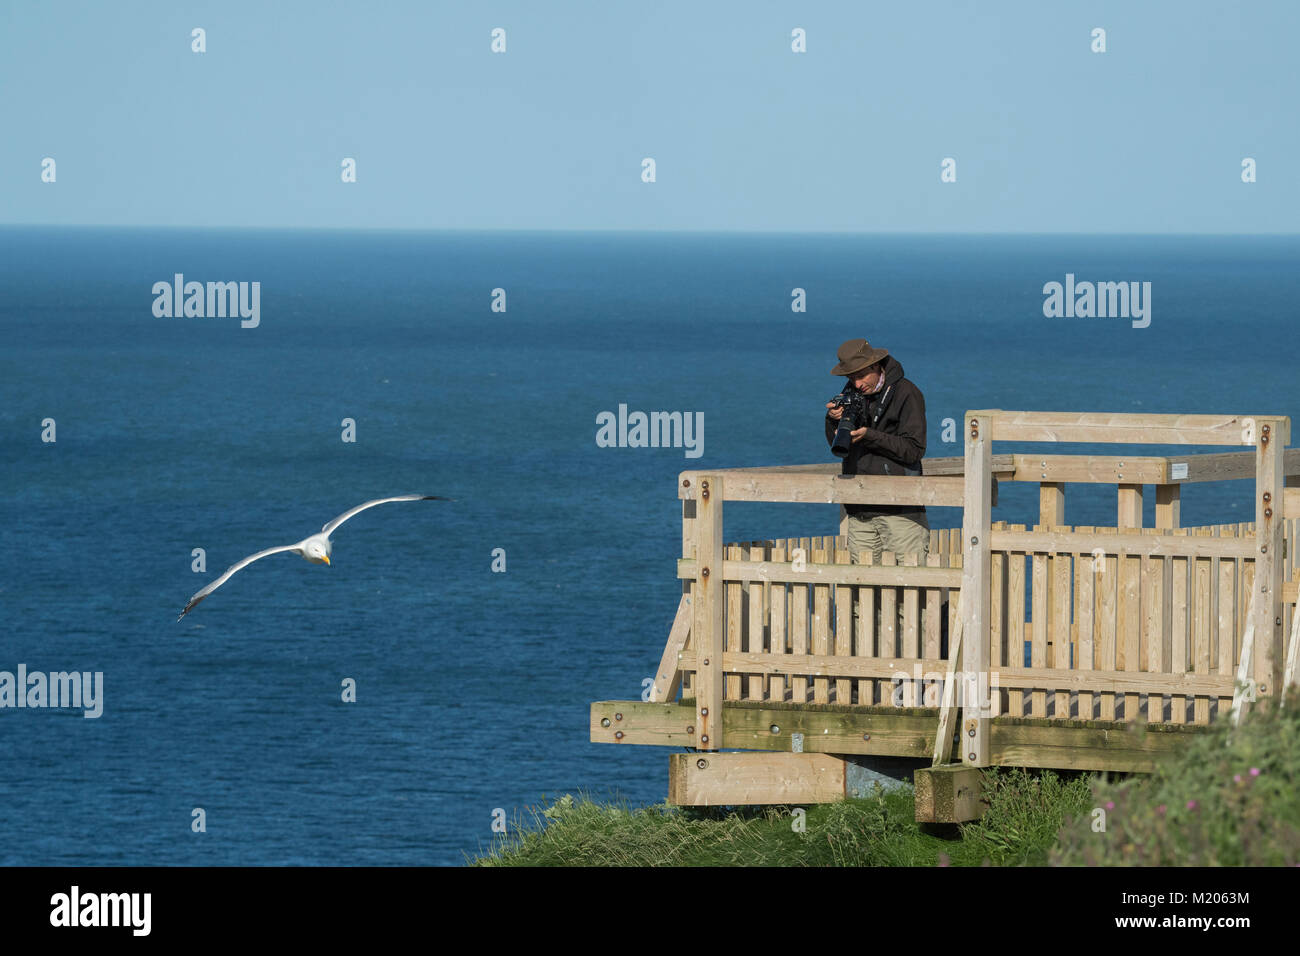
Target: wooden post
[[1130, 506], [1272, 436], [1051, 503], [709, 600], [977, 518], [1168, 499]]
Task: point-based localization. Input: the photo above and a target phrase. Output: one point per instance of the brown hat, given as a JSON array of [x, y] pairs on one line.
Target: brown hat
[[855, 355]]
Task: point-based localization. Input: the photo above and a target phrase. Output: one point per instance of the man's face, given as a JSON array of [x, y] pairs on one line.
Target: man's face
[[866, 380]]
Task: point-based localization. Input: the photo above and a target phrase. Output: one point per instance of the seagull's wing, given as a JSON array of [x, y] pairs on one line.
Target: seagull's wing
[[231, 570], [378, 501]]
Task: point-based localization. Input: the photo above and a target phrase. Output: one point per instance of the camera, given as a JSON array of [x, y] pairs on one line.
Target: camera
[[854, 404]]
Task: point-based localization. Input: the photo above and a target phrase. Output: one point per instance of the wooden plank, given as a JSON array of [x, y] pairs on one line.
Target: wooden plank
[[889, 612], [912, 630], [1129, 622], [1222, 466], [891, 575], [1088, 568], [1153, 629], [997, 622], [668, 677], [1090, 469], [709, 600], [1059, 631], [866, 630], [748, 779], [777, 626], [735, 619], [1137, 544], [1226, 663], [1201, 627], [765, 485], [1107, 627], [1106, 427], [843, 628], [1130, 507], [758, 600], [976, 531], [1179, 633], [1015, 622], [1039, 616], [799, 622], [821, 631]]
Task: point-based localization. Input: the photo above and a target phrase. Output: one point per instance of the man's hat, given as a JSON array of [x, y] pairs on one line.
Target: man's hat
[[855, 355]]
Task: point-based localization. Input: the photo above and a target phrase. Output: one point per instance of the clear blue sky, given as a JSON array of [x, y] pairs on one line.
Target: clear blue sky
[[1048, 136]]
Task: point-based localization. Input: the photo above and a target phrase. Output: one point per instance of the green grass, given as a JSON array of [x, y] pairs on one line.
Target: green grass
[[1231, 798], [1020, 826]]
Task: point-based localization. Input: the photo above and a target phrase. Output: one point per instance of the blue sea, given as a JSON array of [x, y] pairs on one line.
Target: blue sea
[[473, 686]]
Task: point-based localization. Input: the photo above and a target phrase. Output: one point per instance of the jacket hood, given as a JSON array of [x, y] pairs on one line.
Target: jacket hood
[[893, 370]]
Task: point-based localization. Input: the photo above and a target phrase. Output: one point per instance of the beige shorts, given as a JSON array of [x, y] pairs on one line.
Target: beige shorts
[[887, 533]]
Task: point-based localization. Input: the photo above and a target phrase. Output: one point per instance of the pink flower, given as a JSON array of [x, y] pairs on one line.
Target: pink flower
[[1236, 778], [1110, 804], [943, 859], [1254, 771], [1161, 809], [1191, 804]]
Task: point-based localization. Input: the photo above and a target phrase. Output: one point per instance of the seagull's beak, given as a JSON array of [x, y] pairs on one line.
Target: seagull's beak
[[326, 557]]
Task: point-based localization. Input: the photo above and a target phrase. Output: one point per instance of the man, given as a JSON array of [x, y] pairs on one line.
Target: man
[[891, 443]]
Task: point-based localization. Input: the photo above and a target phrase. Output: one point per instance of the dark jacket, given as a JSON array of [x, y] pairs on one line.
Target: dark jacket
[[895, 439]]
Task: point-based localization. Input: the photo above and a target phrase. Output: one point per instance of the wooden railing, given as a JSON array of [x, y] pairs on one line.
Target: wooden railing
[[1121, 623]]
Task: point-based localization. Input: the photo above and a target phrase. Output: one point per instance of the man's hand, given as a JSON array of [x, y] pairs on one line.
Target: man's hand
[[834, 411], [859, 433]]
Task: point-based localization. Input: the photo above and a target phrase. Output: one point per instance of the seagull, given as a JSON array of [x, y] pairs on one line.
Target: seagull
[[316, 549]]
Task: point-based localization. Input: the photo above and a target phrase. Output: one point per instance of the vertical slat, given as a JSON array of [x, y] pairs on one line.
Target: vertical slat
[[821, 629], [1129, 623], [843, 628], [799, 628], [1153, 583], [865, 643], [1201, 628], [1084, 606], [1060, 628], [756, 643], [1227, 624], [998, 620], [1016, 623], [1178, 633], [1107, 638], [888, 613], [776, 683], [735, 621], [1246, 592], [912, 628], [1039, 620], [933, 627]]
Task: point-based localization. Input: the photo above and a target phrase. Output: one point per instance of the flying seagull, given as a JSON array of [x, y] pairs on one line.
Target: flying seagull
[[316, 549]]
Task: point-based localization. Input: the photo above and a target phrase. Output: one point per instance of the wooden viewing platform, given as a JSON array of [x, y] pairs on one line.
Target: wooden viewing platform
[[1064, 647]]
